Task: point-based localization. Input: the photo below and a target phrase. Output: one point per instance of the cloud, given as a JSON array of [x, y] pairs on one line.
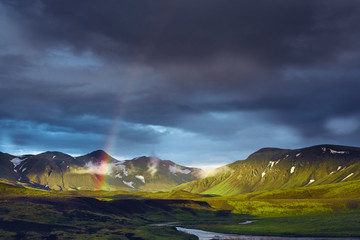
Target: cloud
[[100, 169], [343, 125], [216, 171], [153, 166], [285, 32], [216, 79]]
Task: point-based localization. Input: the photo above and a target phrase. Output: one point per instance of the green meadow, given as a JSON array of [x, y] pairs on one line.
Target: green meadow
[[344, 224], [308, 211]]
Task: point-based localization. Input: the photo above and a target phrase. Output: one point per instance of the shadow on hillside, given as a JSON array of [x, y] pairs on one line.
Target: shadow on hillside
[[66, 217]]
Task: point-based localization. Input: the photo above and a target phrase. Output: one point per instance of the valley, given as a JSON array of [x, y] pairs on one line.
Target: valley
[[179, 120], [283, 202]]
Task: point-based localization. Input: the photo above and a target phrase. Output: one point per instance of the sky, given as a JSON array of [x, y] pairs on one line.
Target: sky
[[196, 82]]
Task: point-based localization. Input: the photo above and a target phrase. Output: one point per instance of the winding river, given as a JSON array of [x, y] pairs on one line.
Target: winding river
[[206, 235]]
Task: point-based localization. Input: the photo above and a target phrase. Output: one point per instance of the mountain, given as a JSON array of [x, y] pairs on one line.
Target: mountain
[[273, 168], [93, 171], [266, 169], [7, 167]]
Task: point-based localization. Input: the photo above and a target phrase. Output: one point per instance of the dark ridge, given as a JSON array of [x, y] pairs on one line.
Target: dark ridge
[[335, 147], [140, 157], [98, 154], [146, 158], [170, 162], [59, 155], [94, 157], [6, 155], [26, 156], [269, 149]]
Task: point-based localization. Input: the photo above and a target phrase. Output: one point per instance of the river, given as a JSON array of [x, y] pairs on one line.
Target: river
[[205, 235]]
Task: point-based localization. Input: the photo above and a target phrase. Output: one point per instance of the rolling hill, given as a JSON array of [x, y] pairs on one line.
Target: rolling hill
[[273, 168]]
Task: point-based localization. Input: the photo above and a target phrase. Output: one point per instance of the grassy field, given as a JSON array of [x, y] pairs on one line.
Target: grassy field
[[80, 218], [31, 214], [308, 211], [319, 225]]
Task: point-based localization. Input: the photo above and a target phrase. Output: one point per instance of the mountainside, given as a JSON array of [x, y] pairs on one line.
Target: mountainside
[[272, 168], [96, 170]]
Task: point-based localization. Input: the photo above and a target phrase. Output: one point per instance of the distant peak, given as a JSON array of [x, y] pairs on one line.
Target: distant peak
[[97, 155], [146, 158], [136, 158], [268, 149], [99, 152], [52, 152], [331, 146]]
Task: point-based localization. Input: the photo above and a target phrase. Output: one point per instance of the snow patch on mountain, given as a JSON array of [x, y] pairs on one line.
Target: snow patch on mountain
[[292, 170], [348, 176], [339, 167], [298, 155], [123, 167], [141, 178], [118, 175], [271, 164], [311, 181], [17, 161], [263, 174], [174, 170], [338, 152], [130, 184]]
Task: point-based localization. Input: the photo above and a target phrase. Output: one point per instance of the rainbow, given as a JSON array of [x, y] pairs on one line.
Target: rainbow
[[102, 179]]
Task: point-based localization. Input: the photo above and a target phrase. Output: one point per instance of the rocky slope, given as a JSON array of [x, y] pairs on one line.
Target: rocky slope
[[96, 170], [272, 168]]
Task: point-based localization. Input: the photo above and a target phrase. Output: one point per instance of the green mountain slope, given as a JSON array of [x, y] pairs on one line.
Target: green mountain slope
[[341, 190], [272, 168]]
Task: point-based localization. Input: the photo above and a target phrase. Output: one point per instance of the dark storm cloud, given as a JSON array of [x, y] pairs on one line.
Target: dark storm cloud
[[221, 70], [10, 64], [272, 32]]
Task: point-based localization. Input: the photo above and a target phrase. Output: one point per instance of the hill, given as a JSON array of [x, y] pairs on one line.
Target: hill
[[94, 171], [273, 168]]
